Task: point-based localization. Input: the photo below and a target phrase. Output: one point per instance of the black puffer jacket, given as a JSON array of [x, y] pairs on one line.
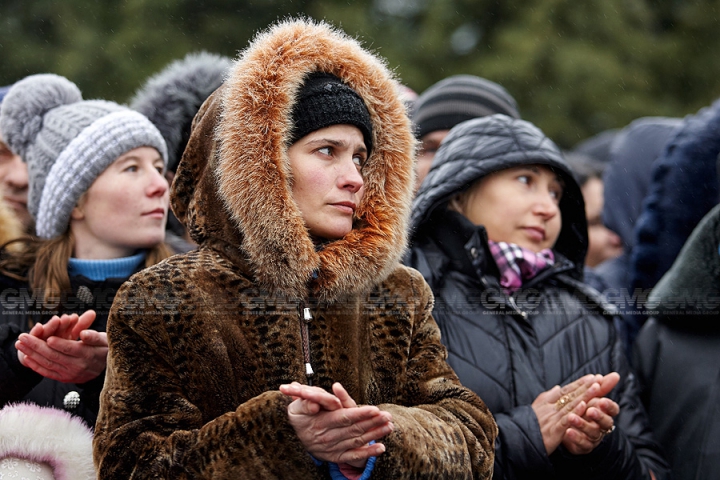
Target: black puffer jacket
[[19, 311], [509, 349], [677, 356]]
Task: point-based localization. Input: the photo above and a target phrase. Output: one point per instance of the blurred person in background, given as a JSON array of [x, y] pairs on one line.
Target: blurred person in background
[[408, 97], [597, 147], [603, 243], [449, 102], [14, 180], [633, 151], [683, 189], [99, 199], [626, 182]]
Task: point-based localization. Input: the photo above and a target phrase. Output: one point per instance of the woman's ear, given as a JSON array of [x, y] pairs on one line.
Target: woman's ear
[[77, 213]]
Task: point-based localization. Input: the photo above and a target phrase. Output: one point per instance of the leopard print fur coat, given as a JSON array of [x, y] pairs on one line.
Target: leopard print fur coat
[[200, 342]]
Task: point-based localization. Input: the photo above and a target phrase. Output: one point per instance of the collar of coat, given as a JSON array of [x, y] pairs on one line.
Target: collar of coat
[[233, 185], [688, 295]]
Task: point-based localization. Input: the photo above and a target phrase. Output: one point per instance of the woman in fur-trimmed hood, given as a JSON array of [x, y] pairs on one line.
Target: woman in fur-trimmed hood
[[217, 356]]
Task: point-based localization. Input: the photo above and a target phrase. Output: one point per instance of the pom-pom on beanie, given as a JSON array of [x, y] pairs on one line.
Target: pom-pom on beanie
[[171, 98], [324, 100], [67, 143], [459, 98]]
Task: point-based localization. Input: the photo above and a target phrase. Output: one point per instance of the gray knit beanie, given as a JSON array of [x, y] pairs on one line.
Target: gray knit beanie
[[171, 98], [67, 143], [459, 98]]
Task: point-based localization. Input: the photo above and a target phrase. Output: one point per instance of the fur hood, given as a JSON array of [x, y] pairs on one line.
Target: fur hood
[[682, 188], [47, 435], [688, 294], [236, 166]]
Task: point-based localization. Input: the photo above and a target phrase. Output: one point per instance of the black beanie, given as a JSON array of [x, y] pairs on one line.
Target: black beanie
[[324, 100], [459, 98]]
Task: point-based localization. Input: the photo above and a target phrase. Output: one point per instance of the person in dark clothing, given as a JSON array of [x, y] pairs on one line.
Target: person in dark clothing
[[448, 102], [499, 233], [99, 200], [603, 243], [677, 356], [683, 189], [597, 146], [627, 178]]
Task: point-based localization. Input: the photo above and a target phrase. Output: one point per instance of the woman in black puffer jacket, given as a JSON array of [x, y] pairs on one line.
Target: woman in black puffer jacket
[[515, 332]]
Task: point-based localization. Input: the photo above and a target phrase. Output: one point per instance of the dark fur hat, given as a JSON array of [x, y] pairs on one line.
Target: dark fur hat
[[171, 98]]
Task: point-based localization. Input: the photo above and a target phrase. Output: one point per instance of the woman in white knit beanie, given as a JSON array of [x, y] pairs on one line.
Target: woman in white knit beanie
[[100, 201]]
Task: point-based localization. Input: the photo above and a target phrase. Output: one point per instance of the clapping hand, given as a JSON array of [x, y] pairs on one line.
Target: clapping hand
[[588, 428], [64, 349], [333, 428], [555, 408]]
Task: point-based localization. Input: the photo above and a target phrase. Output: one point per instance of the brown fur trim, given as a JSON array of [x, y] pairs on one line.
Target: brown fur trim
[[251, 167]]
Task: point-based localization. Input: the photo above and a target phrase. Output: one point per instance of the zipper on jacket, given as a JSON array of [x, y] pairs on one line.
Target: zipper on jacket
[[306, 317], [511, 301], [560, 267], [553, 270]]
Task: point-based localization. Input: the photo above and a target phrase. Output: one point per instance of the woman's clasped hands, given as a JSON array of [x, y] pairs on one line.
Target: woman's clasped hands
[[577, 416], [64, 348], [333, 428]]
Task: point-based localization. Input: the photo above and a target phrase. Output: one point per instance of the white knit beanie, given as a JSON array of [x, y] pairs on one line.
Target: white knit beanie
[[67, 143]]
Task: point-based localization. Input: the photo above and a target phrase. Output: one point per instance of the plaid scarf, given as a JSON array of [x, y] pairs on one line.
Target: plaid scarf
[[518, 264]]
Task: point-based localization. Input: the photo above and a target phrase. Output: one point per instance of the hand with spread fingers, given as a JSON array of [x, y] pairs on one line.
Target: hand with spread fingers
[[587, 429], [333, 428], [64, 349], [555, 407]]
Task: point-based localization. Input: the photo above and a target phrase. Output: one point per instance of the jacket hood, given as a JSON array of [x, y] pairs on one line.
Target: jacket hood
[[680, 193], [233, 184], [627, 178], [485, 145], [597, 146], [690, 290]]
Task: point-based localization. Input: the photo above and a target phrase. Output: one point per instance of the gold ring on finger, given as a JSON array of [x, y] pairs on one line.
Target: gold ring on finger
[[564, 400]]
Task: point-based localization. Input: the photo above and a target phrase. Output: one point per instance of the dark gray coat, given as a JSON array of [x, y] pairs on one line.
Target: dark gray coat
[[677, 356]]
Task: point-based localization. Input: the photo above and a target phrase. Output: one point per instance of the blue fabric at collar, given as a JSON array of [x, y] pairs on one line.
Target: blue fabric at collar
[[334, 468], [98, 270]]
